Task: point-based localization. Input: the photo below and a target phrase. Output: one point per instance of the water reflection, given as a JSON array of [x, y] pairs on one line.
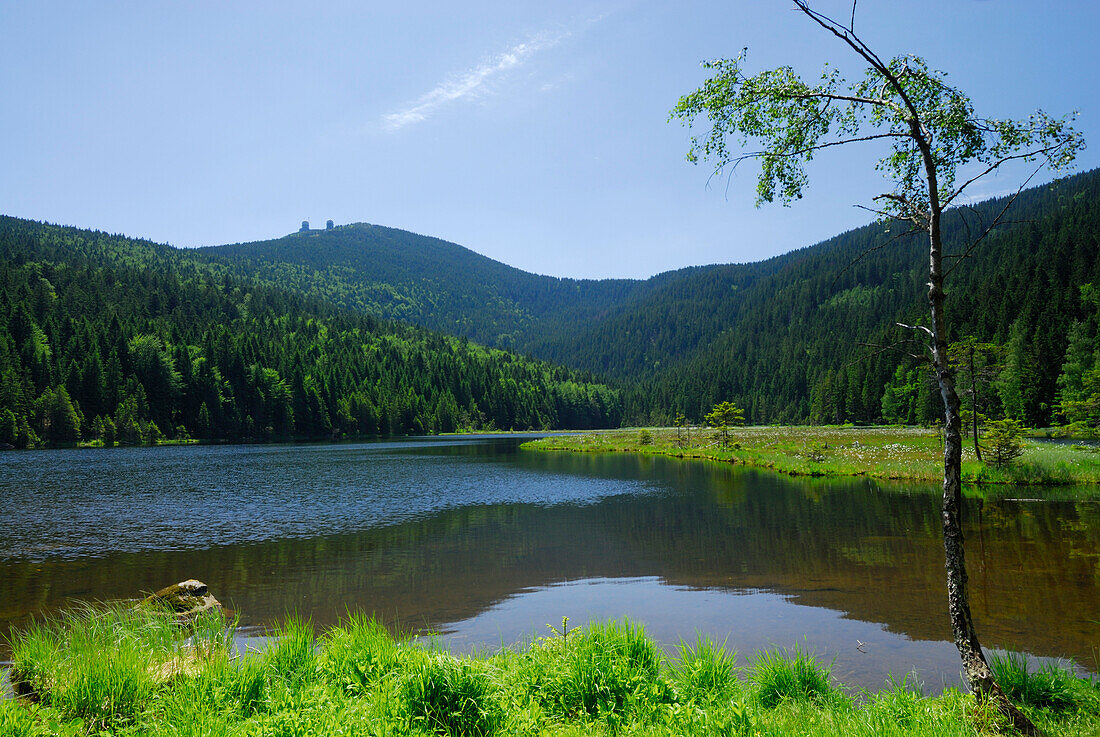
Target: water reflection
[[478, 539]]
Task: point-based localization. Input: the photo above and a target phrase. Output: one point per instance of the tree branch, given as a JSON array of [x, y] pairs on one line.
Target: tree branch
[[844, 98], [735, 162], [916, 216], [849, 37], [1001, 162], [884, 348], [828, 144], [872, 249], [996, 221], [920, 328]]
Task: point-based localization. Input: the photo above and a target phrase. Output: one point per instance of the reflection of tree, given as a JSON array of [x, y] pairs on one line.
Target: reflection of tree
[[854, 546]]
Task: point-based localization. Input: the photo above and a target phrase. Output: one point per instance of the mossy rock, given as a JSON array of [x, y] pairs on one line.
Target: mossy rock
[[186, 598]]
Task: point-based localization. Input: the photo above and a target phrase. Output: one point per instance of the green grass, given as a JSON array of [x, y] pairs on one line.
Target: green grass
[[1047, 686], [608, 670], [113, 670], [902, 453], [445, 695], [793, 676], [705, 672], [293, 656], [357, 656], [100, 664]]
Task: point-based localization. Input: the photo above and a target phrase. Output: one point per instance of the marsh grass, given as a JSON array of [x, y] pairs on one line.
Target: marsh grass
[[93, 668], [357, 655], [609, 670], [794, 675], [1047, 686], [446, 695], [902, 453], [292, 658], [102, 663], [705, 671]]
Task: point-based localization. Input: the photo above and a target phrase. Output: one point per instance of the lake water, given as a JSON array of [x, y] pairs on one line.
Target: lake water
[[487, 544]]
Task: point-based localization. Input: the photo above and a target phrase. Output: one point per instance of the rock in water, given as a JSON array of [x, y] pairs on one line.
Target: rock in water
[[186, 598]]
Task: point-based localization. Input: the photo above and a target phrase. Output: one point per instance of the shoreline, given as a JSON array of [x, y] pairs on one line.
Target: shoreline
[[290, 440], [884, 453]]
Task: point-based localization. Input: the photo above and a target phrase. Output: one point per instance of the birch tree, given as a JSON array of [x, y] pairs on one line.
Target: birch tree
[[936, 148]]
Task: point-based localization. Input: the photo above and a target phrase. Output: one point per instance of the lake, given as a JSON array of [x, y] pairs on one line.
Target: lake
[[486, 544]]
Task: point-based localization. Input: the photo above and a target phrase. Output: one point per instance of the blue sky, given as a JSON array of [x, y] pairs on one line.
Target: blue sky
[[534, 133]]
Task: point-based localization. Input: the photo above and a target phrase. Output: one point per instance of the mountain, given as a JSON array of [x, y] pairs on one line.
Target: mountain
[[811, 335], [802, 336], [817, 338], [400, 275], [105, 337]]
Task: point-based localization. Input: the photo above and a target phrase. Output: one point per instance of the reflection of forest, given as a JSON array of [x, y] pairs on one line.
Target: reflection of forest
[[854, 546]]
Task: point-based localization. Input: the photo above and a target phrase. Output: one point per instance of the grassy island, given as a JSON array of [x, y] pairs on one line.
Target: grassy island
[[124, 671], [903, 453]]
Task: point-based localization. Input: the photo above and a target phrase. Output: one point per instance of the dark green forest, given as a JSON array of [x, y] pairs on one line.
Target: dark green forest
[[807, 336], [400, 275], [105, 337], [817, 338], [112, 339]]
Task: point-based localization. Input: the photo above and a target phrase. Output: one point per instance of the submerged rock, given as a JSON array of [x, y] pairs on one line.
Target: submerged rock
[[186, 598]]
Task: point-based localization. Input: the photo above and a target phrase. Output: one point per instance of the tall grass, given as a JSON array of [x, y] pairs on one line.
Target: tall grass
[[103, 664], [1048, 686], [292, 657], [793, 675], [358, 654], [102, 671], [445, 695], [95, 663], [706, 671], [609, 670]]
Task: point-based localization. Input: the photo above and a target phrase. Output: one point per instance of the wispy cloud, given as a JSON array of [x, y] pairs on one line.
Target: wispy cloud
[[468, 83]]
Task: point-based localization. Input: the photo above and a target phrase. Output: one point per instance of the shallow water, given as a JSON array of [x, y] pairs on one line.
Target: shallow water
[[487, 544]]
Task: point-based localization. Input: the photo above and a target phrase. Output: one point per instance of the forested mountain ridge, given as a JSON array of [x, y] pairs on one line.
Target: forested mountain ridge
[[807, 336], [106, 337], [817, 338], [779, 337], [605, 326], [792, 338], [400, 275]]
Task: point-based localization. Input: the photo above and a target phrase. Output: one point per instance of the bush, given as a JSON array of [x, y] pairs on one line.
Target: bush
[[1005, 441], [645, 438], [792, 676]]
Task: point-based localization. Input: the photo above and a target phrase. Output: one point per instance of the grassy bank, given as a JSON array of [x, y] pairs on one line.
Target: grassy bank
[[914, 454], [122, 672]]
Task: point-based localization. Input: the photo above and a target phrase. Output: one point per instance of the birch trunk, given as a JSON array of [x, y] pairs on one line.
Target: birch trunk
[[978, 673]]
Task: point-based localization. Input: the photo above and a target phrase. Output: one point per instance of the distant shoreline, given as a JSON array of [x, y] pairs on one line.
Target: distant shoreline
[[889, 453]]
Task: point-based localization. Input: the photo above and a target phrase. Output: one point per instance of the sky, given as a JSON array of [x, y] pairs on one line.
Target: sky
[[537, 134]]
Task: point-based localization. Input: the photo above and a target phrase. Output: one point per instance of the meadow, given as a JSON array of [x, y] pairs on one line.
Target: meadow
[[901, 453]]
